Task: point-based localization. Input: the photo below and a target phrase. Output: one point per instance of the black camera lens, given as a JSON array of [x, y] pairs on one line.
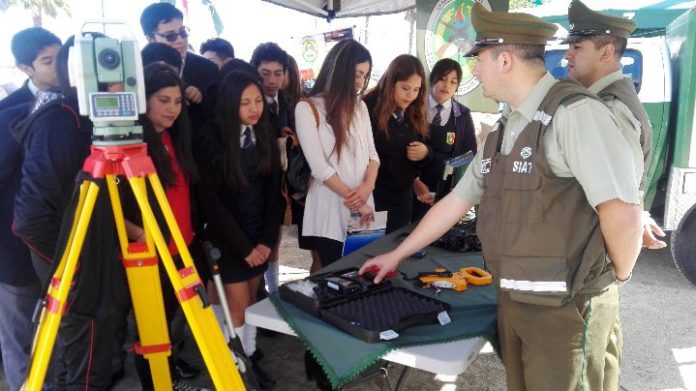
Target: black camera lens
[[109, 59]]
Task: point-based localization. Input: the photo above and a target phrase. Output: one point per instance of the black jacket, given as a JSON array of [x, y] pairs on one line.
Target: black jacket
[[200, 73], [462, 125], [15, 261], [395, 170], [22, 95], [284, 117], [55, 141]]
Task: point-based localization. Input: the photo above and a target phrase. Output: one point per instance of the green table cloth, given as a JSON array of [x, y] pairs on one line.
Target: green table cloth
[[343, 357]]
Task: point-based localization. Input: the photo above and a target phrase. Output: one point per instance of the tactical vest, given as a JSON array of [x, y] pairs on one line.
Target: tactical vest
[[625, 91], [540, 236]]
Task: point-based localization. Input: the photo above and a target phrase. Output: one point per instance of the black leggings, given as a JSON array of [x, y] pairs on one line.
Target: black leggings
[[398, 204], [329, 250]]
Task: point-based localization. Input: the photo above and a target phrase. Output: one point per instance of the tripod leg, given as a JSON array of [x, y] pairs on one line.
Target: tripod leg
[[140, 263], [59, 288], [189, 289]]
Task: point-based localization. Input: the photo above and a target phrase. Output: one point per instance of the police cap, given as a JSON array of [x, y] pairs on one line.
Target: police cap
[[585, 23], [503, 28]]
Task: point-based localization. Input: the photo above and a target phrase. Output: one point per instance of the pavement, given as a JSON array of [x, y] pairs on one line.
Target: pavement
[[657, 313]]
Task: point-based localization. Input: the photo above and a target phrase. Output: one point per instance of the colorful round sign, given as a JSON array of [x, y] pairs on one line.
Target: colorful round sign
[[310, 50], [449, 34]]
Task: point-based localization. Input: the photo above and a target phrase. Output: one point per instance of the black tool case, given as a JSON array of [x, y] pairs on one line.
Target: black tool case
[[371, 312]]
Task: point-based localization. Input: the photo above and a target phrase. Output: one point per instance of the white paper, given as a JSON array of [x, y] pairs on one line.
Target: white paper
[[379, 224]]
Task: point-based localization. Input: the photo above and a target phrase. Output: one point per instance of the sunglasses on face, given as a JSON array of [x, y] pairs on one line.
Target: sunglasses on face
[[171, 36]]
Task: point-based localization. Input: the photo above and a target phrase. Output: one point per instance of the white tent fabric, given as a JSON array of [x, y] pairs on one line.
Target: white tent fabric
[[330, 9]]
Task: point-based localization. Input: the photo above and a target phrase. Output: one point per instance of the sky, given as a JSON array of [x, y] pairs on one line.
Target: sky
[[247, 23]]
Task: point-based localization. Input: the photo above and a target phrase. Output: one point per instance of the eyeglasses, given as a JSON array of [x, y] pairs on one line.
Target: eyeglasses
[[171, 36]]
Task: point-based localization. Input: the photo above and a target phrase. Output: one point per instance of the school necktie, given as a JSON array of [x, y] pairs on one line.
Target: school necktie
[[437, 119], [399, 115], [248, 141], [273, 106]]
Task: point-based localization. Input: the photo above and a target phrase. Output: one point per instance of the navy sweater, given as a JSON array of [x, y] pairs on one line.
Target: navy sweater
[[15, 261], [56, 142]]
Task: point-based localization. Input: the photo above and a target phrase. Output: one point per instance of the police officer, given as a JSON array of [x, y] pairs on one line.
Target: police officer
[[596, 44], [559, 217]]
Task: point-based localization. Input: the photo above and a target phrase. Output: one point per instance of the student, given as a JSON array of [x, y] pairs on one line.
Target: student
[[163, 22], [400, 128], [559, 217], [292, 84], [217, 50], [272, 62], [157, 51], [56, 141], [596, 43], [451, 131], [167, 132], [341, 152], [292, 89], [240, 197], [35, 51]]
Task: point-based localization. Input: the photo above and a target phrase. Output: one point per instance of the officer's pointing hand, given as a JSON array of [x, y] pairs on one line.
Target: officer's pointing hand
[[382, 263]]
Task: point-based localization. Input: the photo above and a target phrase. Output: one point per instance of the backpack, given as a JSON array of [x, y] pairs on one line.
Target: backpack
[[299, 174]]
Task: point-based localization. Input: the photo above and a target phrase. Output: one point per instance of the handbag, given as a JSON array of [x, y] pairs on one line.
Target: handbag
[[299, 174]]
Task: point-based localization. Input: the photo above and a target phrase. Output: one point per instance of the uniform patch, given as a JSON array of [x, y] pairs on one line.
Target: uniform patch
[[486, 166], [542, 117], [522, 167], [526, 152], [450, 137]]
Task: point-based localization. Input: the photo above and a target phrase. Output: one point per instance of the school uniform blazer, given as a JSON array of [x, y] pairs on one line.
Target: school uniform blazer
[[22, 95]]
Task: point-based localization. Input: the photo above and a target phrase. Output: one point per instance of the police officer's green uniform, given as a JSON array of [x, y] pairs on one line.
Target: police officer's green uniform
[[619, 94], [616, 90], [541, 172]]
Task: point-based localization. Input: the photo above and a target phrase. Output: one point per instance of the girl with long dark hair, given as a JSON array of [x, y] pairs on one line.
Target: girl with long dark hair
[[239, 194], [167, 133], [340, 150]]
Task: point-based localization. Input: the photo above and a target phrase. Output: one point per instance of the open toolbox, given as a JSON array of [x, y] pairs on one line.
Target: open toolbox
[[353, 303]]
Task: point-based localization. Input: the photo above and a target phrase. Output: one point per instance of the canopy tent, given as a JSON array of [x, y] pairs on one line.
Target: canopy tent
[[650, 15], [331, 9]]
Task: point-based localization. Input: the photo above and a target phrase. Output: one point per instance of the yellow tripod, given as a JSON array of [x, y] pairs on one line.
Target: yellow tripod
[[140, 261]]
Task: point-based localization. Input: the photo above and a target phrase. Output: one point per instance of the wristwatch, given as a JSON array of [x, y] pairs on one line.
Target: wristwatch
[[622, 282]]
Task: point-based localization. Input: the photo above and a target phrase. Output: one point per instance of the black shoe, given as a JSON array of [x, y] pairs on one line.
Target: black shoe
[[116, 377], [184, 370], [268, 333], [266, 382], [257, 356], [313, 371]]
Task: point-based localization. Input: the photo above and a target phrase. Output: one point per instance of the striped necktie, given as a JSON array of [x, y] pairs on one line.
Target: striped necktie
[[273, 106], [399, 115], [437, 118], [248, 141]]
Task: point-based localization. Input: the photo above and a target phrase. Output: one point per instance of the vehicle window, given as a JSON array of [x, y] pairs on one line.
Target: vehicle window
[[632, 65]]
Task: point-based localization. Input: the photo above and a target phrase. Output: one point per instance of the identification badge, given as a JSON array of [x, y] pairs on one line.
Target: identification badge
[[450, 137], [486, 166]]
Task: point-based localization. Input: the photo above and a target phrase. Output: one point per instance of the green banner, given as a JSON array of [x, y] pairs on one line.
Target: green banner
[[445, 31]]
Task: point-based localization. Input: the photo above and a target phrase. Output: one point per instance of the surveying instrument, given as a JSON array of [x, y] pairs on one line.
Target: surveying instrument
[[108, 75]]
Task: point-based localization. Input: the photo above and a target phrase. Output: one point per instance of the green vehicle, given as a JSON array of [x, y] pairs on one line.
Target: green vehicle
[[661, 68]]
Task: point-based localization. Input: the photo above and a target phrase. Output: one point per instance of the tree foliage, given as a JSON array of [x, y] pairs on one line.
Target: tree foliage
[[38, 7]]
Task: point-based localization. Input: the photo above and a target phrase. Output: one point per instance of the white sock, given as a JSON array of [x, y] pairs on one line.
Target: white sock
[[220, 316], [271, 276], [249, 340], [240, 334]]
